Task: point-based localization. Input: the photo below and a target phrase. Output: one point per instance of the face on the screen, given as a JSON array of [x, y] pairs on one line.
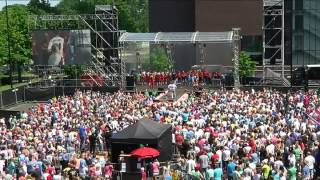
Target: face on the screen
[[61, 47]]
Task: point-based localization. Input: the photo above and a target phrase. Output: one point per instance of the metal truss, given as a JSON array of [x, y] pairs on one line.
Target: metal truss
[[273, 36], [236, 56], [105, 48]]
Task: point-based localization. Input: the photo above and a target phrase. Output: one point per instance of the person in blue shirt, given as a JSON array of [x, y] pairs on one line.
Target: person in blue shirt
[[39, 167], [83, 168], [190, 134], [231, 167], [185, 117], [11, 168], [210, 173], [82, 134], [157, 116], [306, 172], [275, 175], [217, 172]]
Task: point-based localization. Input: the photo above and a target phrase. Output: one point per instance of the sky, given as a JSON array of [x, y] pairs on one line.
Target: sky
[[10, 2]]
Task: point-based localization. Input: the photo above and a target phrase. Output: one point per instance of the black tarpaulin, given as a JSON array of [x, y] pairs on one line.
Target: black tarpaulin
[[146, 132]]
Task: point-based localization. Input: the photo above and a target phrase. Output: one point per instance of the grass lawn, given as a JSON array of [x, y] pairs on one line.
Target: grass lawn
[[15, 85]]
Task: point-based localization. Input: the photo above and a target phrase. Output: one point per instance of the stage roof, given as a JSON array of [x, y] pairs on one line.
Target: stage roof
[[182, 37]]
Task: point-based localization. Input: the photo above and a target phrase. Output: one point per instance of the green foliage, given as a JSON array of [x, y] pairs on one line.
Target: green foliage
[[159, 61], [133, 14], [247, 67], [20, 40], [74, 71], [133, 17], [139, 11], [75, 7], [40, 7]]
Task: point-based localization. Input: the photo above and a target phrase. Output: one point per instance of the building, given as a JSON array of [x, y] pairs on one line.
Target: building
[[208, 16], [305, 31], [302, 27]]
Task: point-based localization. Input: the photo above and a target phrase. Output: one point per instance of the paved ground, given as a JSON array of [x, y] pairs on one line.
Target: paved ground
[[22, 106], [180, 91]]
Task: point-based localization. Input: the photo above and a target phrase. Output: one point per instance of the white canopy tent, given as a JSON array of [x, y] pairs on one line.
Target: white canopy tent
[[232, 37], [183, 37]]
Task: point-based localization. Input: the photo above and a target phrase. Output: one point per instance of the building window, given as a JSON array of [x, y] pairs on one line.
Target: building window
[[298, 22], [299, 44], [298, 4]]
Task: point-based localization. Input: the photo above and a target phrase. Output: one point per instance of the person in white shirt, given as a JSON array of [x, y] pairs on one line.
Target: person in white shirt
[[226, 155], [310, 161], [172, 89], [2, 165], [190, 165], [292, 159], [270, 149]]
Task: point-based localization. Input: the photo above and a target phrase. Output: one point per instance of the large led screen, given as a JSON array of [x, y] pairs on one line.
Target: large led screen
[[61, 47]]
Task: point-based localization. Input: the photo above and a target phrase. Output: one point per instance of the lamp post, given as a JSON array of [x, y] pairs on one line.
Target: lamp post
[[8, 39]]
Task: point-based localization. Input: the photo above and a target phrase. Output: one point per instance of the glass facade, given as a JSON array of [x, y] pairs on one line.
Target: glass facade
[[306, 32]]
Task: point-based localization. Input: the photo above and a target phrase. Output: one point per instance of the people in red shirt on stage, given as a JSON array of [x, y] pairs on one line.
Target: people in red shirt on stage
[[207, 77], [162, 78], [200, 76], [151, 81], [157, 78], [167, 77], [192, 77], [143, 78], [178, 74]]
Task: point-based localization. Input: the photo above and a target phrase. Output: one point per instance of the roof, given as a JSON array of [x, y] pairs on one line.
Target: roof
[[142, 130], [186, 37], [313, 65]]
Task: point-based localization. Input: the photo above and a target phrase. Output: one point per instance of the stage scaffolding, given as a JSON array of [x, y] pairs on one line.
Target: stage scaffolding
[[198, 38], [105, 48], [273, 40]]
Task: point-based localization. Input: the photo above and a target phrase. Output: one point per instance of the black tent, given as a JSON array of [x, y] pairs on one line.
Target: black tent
[[146, 132]]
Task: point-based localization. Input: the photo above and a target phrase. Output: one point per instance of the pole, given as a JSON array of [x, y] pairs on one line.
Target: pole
[[282, 40], [8, 39]]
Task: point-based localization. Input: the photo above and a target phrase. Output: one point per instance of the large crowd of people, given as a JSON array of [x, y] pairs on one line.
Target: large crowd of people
[[218, 134]]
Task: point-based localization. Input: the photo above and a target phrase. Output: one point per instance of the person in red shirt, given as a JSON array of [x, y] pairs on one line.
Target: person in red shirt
[[157, 78], [162, 78], [184, 77], [143, 78], [179, 76], [252, 144], [179, 141], [151, 81], [200, 76], [143, 174]]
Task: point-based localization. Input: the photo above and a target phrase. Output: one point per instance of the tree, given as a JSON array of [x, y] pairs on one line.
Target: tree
[[133, 14], [247, 66], [159, 61], [20, 40], [139, 10], [40, 7], [74, 71], [75, 7]]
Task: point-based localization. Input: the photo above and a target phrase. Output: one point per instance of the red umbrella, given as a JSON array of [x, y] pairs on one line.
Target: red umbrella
[[145, 152]]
